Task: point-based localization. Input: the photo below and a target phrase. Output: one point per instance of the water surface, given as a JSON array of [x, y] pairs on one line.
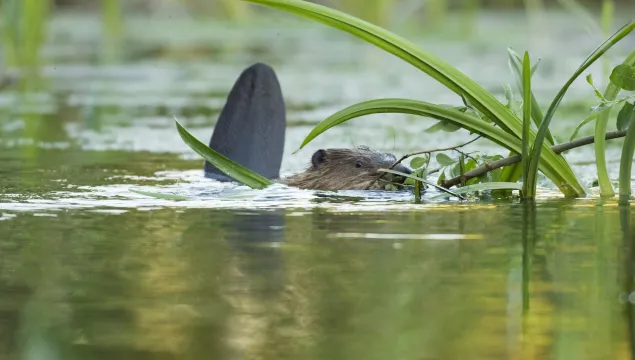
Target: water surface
[[90, 269]]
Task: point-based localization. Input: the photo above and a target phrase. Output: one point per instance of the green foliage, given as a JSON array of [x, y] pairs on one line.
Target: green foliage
[[529, 182], [604, 104], [23, 30], [625, 116], [232, 169], [626, 161], [610, 94], [515, 64], [623, 76], [419, 162], [544, 126], [555, 167], [414, 177]]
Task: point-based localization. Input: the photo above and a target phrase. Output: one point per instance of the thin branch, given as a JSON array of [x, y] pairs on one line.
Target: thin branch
[[560, 148], [421, 153]]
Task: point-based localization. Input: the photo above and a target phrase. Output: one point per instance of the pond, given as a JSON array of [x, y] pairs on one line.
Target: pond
[[91, 269]]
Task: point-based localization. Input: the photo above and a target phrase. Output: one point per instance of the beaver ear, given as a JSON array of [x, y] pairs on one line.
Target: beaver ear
[[318, 157]]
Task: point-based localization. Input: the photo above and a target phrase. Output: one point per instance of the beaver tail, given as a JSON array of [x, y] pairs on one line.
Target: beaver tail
[[252, 124]]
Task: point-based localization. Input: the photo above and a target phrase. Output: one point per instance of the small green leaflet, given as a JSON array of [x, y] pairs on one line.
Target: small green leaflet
[[623, 76], [444, 160], [419, 162], [625, 116], [443, 126], [591, 117]]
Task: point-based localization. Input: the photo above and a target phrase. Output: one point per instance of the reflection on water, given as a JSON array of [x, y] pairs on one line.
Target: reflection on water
[[504, 281]]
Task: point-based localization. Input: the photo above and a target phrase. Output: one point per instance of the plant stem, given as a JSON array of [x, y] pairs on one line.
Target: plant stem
[[421, 153], [610, 94], [560, 148], [626, 162]]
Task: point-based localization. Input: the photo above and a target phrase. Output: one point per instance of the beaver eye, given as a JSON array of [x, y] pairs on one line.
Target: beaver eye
[[358, 164]]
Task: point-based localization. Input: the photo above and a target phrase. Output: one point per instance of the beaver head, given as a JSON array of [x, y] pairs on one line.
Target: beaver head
[[348, 169]]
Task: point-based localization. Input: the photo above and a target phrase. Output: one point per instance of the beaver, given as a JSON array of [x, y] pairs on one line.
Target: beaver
[[251, 132]]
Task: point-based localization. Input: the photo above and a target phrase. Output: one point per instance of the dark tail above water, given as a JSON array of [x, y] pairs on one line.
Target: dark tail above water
[[251, 127]]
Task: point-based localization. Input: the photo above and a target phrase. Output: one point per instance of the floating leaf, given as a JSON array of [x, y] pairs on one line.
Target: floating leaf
[[623, 76], [444, 160], [625, 116]]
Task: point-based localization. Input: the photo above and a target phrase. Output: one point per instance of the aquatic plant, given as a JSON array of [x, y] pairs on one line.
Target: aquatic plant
[[482, 114], [23, 30]]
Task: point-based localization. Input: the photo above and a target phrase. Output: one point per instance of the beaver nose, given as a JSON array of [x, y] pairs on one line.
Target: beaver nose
[[404, 169], [398, 178]]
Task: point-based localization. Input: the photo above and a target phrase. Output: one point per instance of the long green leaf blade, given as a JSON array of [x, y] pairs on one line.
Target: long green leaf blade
[[536, 113], [229, 167], [429, 63], [544, 126], [529, 188]]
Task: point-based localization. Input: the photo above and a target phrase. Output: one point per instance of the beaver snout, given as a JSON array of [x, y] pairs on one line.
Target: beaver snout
[[398, 178]]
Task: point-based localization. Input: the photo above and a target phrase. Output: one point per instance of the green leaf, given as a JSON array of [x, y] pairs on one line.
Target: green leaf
[[529, 188], [591, 117], [623, 76], [443, 126], [444, 160], [544, 126], [509, 95], [625, 116], [418, 162], [515, 63], [232, 169], [160, 195], [423, 181], [598, 94]]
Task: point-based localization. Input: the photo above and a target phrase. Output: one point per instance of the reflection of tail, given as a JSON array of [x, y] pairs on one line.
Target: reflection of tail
[[251, 127]]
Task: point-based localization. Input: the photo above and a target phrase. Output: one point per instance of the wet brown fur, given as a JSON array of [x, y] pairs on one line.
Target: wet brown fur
[[345, 169]]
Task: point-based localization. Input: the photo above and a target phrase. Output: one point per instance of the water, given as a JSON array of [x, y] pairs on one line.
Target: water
[[91, 269]]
